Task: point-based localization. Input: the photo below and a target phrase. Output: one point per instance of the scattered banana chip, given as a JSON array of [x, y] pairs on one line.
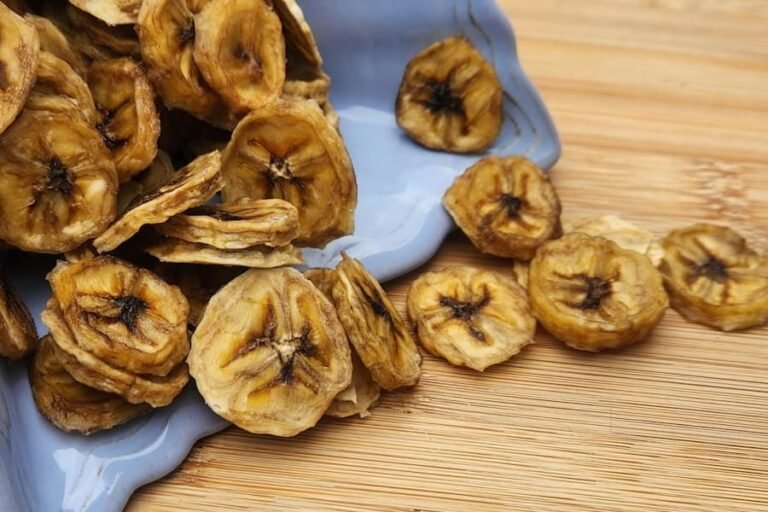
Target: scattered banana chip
[[591, 294], [714, 278], [191, 186], [357, 398], [173, 250], [128, 120], [270, 354], [126, 316], [17, 329], [71, 406], [287, 150], [506, 206], [374, 327], [450, 98], [60, 89], [623, 233], [111, 12], [58, 187], [53, 41], [19, 54], [240, 225], [470, 317]]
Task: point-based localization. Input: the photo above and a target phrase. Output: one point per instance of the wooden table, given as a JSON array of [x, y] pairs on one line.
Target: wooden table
[[663, 110]]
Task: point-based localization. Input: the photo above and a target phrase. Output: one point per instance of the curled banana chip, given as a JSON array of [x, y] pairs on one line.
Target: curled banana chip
[[128, 121], [178, 251], [303, 59], [60, 89], [506, 206], [270, 353], [19, 53], [53, 41], [124, 315], [239, 225], [111, 12], [191, 186], [591, 294], [470, 317], [287, 150], [58, 186], [71, 406], [623, 233], [450, 98], [374, 327], [357, 398], [714, 278], [17, 329]]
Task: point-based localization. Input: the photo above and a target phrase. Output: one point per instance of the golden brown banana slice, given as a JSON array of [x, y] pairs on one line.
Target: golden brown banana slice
[[53, 41], [450, 98], [128, 120], [96, 39], [714, 278], [173, 250], [357, 398], [60, 89], [506, 206], [19, 53], [374, 327], [591, 294], [124, 315], [239, 225], [287, 150], [302, 54], [71, 406], [58, 186], [191, 186], [270, 353], [470, 317], [17, 329], [111, 12], [623, 233], [240, 51]]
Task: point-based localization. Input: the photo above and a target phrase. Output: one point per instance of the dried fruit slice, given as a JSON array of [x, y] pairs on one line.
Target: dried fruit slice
[[594, 295], [470, 317], [179, 251], [506, 206], [302, 54], [450, 98], [17, 329], [19, 53], [60, 89], [374, 327], [714, 278], [191, 186], [71, 406], [93, 372], [58, 186], [53, 41], [111, 12], [240, 51], [357, 398], [287, 150], [623, 233], [124, 315], [270, 354]]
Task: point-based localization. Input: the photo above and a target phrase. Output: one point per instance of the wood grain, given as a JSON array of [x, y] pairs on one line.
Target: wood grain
[[663, 110]]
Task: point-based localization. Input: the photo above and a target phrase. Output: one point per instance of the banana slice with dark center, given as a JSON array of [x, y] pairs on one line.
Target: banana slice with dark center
[[71, 406], [191, 186], [593, 295], [18, 335], [53, 40], [506, 206], [173, 250], [287, 150], [714, 278], [19, 53], [270, 354], [450, 98], [111, 12], [470, 317], [58, 186], [59, 88]]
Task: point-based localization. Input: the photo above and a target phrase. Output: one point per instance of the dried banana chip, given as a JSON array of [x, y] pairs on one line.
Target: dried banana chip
[[302, 54], [450, 98], [593, 295], [179, 251], [270, 353], [240, 51], [53, 41], [470, 317], [124, 315], [19, 54], [191, 186], [128, 120], [623, 233], [287, 150], [323, 279], [374, 327], [71, 406], [17, 329], [506, 206], [58, 186], [111, 12], [714, 278], [239, 225], [357, 398], [60, 89]]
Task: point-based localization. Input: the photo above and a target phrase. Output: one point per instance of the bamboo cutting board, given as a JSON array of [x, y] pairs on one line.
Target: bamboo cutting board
[[662, 106]]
